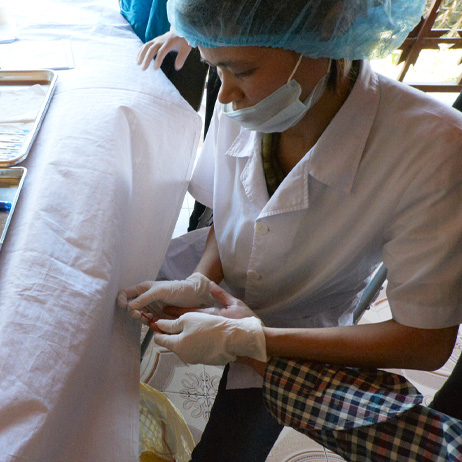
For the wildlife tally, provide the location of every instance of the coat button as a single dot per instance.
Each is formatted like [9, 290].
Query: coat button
[253, 275]
[261, 227]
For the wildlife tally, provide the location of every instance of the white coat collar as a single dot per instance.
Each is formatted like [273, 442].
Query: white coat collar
[246, 144]
[335, 158]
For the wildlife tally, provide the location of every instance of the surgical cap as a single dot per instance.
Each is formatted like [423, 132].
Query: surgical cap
[350, 29]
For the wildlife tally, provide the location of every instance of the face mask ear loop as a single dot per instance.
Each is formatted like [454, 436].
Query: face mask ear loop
[295, 68]
[329, 66]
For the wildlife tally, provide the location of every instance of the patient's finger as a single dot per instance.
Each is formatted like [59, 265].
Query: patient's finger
[142, 52]
[181, 57]
[177, 311]
[221, 296]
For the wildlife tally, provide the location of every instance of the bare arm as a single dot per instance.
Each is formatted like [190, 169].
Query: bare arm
[386, 345]
[383, 345]
[210, 263]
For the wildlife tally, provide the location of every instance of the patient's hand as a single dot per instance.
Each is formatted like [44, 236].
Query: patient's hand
[160, 47]
[230, 307]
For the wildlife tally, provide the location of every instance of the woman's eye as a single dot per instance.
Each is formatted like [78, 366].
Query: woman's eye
[240, 75]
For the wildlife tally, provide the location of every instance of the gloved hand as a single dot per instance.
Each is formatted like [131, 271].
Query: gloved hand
[160, 47]
[200, 338]
[152, 296]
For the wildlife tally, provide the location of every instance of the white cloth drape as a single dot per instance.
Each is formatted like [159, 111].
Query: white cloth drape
[106, 179]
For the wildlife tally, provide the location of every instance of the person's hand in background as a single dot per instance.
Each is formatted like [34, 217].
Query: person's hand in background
[160, 47]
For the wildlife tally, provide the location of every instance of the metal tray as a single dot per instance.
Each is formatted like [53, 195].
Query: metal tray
[11, 181]
[15, 143]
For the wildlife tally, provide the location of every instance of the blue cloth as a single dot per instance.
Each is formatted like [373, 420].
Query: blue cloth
[350, 29]
[148, 18]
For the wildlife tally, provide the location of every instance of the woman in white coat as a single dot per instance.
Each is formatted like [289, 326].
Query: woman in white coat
[317, 170]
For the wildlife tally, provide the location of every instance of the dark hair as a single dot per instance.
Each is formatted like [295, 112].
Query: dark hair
[337, 74]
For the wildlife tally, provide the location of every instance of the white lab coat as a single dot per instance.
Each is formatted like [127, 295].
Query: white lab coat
[383, 182]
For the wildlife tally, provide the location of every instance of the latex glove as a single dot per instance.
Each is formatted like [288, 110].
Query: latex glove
[150, 297]
[160, 47]
[200, 338]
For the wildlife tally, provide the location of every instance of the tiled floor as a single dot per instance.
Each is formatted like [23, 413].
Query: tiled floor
[192, 389]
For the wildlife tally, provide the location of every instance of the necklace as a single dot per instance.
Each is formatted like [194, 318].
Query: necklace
[273, 171]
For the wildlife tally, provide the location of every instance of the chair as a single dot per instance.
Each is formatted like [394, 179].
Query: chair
[370, 293]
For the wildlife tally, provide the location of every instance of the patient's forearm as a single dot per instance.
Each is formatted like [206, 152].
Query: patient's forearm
[210, 263]
[385, 345]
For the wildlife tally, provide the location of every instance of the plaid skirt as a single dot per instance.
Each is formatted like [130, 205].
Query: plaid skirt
[360, 414]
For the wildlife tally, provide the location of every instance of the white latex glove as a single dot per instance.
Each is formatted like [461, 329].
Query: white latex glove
[200, 338]
[149, 298]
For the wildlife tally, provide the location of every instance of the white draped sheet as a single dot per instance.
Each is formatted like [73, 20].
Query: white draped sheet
[106, 180]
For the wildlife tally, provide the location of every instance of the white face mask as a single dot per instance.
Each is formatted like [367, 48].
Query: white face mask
[281, 109]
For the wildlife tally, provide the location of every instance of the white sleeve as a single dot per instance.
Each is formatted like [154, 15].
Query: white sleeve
[424, 254]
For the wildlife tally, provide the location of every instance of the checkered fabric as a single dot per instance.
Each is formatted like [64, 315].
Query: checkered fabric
[362, 415]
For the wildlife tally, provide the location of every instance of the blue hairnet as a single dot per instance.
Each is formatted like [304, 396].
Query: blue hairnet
[350, 29]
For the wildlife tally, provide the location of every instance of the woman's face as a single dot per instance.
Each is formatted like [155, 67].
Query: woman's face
[249, 74]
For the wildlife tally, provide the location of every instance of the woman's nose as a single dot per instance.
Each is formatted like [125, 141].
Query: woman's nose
[229, 90]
